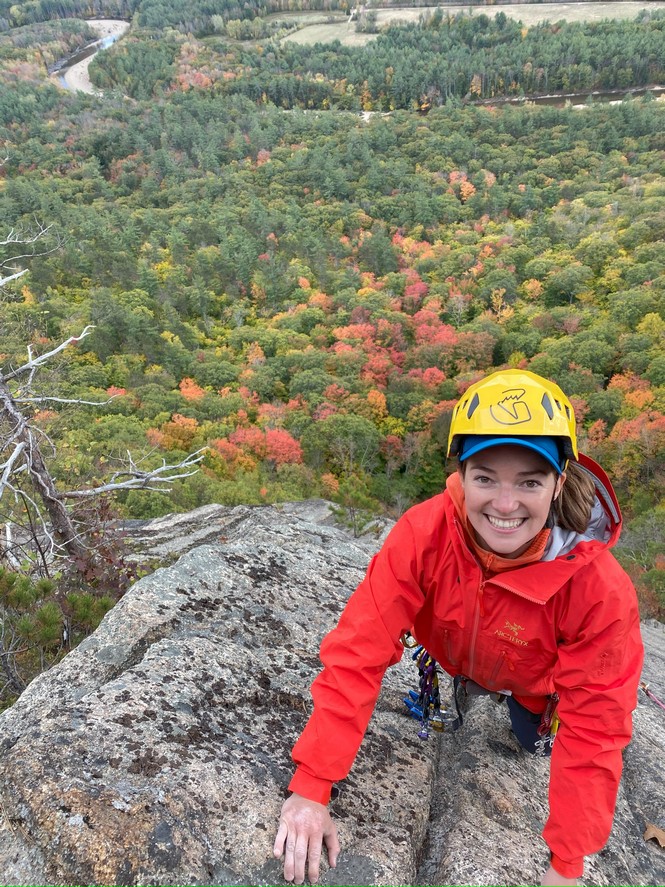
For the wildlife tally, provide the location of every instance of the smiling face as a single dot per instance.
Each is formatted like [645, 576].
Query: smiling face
[508, 492]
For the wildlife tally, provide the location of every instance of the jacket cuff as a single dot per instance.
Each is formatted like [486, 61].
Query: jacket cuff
[569, 868]
[311, 787]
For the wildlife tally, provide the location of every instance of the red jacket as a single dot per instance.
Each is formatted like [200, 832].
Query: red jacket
[568, 625]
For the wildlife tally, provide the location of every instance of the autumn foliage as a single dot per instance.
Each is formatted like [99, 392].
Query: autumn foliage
[306, 295]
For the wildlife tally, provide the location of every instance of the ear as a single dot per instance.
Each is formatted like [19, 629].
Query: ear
[560, 481]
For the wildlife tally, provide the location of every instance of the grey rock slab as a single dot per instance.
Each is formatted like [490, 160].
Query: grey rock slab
[175, 534]
[490, 799]
[157, 752]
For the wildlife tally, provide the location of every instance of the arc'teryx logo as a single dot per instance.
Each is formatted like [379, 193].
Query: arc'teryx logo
[514, 628]
[511, 409]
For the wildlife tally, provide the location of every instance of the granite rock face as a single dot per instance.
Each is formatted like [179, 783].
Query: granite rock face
[173, 535]
[490, 799]
[158, 751]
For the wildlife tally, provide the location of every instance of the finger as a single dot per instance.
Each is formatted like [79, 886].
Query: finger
[314, 859]
[289, 858]
[332, 844]
[280, 839]
[300, 858]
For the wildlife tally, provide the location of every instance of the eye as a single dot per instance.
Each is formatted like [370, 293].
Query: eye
[532, 484]
[482, 479]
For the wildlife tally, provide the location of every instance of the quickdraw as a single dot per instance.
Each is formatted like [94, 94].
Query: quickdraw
[425, 705]
[549, 722]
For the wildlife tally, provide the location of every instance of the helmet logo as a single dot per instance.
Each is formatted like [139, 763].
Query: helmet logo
[511, 409]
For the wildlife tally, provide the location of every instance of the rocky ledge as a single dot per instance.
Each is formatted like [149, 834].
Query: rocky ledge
[158, 751]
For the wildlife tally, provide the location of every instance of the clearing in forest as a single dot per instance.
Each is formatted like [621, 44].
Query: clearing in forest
[529, 13]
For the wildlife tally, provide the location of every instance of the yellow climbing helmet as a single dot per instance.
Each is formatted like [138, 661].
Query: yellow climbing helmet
[514, 404]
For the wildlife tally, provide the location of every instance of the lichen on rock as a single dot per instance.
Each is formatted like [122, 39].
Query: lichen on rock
[157, 752]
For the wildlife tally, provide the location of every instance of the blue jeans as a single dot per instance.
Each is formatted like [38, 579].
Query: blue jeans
[525, 727]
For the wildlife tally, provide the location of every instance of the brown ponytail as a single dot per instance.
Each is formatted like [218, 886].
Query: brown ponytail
[572, 507]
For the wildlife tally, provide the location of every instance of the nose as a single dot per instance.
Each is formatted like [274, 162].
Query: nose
[505, 500]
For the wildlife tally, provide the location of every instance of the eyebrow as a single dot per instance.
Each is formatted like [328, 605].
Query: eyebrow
[540, 471]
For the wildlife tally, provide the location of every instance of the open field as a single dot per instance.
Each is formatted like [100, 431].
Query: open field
[344, 31]
[529, 13]
[308, 18]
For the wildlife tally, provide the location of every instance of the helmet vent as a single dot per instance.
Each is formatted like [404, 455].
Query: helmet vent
[568, 413]
[473, 406]
[547, 406]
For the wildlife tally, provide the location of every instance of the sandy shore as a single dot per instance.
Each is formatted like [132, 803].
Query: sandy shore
[108, 27]
[77, 77]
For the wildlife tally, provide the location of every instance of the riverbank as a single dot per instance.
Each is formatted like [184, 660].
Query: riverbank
[578, 99]
[76, 77]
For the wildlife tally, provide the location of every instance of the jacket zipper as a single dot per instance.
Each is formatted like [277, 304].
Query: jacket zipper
[503, 658]
[479, 611]
[494, 580]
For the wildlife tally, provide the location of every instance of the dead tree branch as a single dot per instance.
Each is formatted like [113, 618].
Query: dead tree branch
[5, 280]
[138, 479]
[28, 451]
[35, 362]
[19, 239]
[24, 459]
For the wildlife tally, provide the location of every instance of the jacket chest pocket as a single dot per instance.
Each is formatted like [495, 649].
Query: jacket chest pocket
[448, 642]
[519, 664]
[503, 667]
[451, 648]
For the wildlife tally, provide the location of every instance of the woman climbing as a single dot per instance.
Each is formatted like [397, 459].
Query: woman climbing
[508, 582]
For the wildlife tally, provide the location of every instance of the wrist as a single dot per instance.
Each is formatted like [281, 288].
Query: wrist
[567, 868]
[311, 787]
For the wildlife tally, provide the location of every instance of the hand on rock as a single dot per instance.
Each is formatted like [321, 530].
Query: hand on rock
[304, 826]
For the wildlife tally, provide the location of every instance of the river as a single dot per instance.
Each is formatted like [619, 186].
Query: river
[75, 75]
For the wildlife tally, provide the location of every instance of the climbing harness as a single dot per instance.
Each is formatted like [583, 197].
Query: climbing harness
[424, 705]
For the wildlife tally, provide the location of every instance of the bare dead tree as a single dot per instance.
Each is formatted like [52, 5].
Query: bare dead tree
[23, 460]
[11, 648]
[25, 477]
[51, 530]
[23, 245]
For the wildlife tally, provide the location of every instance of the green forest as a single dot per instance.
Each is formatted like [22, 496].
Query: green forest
[303, 292]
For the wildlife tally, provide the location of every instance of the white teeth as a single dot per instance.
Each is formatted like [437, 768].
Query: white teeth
[505, 524]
